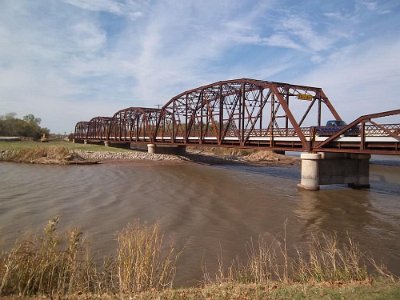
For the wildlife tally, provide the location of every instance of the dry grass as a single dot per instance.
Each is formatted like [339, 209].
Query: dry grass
[58, 265]
[61, 265]
[38, 154]
[45, 264]
[43, 155]
[141, 262]
[324, 261]
[327, 261]
[7, 146]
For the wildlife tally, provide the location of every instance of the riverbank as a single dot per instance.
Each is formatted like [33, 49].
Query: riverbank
[66, 153]
[61, 265]
[216, 155]
[355, 291]
[361, 291]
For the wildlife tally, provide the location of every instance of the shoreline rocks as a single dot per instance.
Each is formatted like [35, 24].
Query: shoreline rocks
[134, 155]
[64, 156]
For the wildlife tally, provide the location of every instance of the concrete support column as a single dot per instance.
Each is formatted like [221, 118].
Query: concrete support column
[362, 170]
[85, 142]
[107, 143]
[282, 152]
[166, 149]
[310, 171]
[151, 148]
[334, 168]
[181, 150]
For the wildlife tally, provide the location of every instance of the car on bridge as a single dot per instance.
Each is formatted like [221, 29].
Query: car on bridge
[334, 126]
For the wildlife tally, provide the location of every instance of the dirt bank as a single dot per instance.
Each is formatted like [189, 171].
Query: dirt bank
[69, 153]
[64, 156]
[215, 155]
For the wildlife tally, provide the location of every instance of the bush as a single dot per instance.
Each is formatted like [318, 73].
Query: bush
[28, 126]
[54, 264]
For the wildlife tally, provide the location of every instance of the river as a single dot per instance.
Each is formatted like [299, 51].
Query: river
[207, 210]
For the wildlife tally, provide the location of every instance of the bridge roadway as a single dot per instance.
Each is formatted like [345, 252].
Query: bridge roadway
[249, 113]
[246, 113]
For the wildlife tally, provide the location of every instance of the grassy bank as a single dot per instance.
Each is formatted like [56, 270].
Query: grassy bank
[54, 264]
[22, 145]
[362, 291]
[62, 152]
[54, 152]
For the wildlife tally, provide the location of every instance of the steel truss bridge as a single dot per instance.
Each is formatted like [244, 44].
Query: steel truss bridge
[247, 113]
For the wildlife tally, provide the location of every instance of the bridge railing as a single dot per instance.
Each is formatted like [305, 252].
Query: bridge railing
[81, 130]
[243, 113]
[369, 126]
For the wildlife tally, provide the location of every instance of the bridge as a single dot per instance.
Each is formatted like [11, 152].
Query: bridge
[249, 113]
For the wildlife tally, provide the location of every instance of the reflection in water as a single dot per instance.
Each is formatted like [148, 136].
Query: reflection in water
[207, 210]
[335, 209]
[369, 217]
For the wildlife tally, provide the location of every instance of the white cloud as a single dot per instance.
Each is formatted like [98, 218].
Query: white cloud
[282, 40]
[88, 37]
[304, 31]
[336, 15]
[131, 8]
[179, 52]
[66, 62]
[370, 5]
[361, 79]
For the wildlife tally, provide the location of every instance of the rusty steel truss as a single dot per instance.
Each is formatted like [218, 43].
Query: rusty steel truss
[244, 113]
[98, 128]
[373, 138]
[134, 124]
[81, 130]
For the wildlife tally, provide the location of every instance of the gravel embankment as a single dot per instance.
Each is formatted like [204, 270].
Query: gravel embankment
[134, 155]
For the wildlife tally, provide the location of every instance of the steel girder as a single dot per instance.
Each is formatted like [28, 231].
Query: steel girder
[98, 128]
[134, 124]
[232, 112]
[370, 127]
[246, 113]
[81, 130]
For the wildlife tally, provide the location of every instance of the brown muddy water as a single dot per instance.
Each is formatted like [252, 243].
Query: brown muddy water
[211, 211]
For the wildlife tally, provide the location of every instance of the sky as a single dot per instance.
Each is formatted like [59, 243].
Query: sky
[70, 60]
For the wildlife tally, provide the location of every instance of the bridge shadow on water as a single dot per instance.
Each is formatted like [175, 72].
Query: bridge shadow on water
[269, 168]
[384, 172]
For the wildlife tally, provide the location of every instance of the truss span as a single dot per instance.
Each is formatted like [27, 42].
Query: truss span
[98, 128]
[134, 124]
[241, 112]
[246, 113]
[81, 130]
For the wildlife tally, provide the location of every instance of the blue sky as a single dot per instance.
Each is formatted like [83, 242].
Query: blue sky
[70, 60]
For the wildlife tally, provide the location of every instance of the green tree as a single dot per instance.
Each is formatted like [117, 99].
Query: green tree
[30, 118]
[28, 126]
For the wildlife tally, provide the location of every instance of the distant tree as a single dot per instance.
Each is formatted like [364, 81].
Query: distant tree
[31, 119]
[9, 116]
[28, 126]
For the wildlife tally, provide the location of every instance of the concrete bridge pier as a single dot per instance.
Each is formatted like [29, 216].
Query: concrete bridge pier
[151, 148]
[334, 168]
[166, 149]
[124, 145]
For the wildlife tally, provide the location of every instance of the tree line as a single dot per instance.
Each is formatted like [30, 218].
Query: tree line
[28, 126]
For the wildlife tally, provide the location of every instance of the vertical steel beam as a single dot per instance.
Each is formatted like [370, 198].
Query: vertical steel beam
[221, 115]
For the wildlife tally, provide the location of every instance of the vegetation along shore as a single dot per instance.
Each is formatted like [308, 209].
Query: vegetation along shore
[62, 152]
[66, 153]
[61, 265]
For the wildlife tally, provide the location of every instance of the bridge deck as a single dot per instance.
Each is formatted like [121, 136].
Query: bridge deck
[248, 113]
